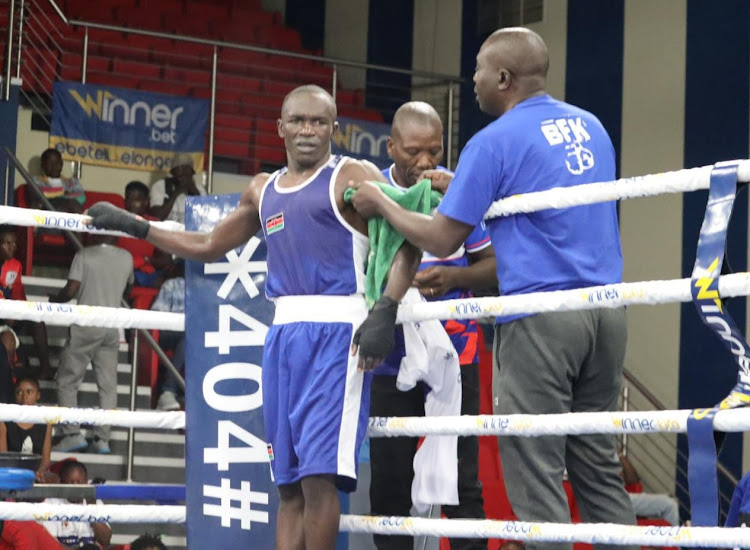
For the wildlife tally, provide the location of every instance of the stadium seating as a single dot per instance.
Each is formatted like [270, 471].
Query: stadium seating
[250, 84]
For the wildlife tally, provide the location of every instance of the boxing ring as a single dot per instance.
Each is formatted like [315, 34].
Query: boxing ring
[729, 417]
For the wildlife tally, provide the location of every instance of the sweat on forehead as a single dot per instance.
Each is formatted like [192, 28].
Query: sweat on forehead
[310, 90]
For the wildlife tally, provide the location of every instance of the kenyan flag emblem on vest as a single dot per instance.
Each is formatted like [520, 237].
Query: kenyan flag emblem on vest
[274, 223]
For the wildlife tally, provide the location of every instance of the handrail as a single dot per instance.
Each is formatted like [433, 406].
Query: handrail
[658, 405]
[259, 49]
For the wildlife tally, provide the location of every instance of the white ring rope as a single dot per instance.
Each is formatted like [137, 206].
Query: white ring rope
[94, 417]
[493, 529]
[606, 296]
[91, 316]
[679, 181]
[533, 425]
[592, 533]
[528, 425]
[100, 513]
[28, 217]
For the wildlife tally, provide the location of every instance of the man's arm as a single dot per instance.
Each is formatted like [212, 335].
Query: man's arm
[102, 533]
[629, 473]
[439, 235]
[480, 274]
[234, 230]
[66, 293]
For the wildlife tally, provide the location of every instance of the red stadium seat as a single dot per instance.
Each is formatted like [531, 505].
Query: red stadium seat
[112, 79]
[206, 10]
[235, 82]
[233, 121]
[135, 68]
[268, 147]
[195, 79]
[119, 46]
[138, 18]
[70, 67]
[161, 87]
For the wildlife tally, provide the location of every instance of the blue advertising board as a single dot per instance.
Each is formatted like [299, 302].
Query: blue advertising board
[231, 499]
[362, 139]
[125, 128]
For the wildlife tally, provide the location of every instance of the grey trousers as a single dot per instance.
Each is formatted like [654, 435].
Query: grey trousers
[557, 363]
[98, 346]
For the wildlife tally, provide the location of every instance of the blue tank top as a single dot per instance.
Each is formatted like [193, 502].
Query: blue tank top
[312, 250]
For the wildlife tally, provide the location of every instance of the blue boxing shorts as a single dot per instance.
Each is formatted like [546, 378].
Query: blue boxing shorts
[315, 403]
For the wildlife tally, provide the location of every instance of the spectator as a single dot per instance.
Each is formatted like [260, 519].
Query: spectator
[65, 194]
[76, 533]
[171, 298]
[99, 276]
[648, 505]
[168, 194]
[11, 287]
[148, 542]
[149, 263]
[25, 437]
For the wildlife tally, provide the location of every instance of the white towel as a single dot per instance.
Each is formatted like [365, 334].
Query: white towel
[431, 358]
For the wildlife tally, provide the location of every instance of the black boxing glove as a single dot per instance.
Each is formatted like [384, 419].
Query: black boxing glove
[105, 215]
[375, 336]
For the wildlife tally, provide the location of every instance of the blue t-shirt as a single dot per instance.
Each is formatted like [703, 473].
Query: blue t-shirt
[739, 509]
[539, 144]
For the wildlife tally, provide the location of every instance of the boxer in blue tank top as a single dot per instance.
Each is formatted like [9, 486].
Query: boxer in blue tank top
[316, 361]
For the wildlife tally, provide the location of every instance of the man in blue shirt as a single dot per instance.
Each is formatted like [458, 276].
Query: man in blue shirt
[552, 362]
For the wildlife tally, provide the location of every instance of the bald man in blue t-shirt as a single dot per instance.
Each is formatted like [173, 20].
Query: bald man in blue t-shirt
[549, 362]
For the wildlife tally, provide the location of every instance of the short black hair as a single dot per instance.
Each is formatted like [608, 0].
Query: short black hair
[5, 228]
[71, 465]
[147, 541]
[48, 152]
[28, 378]
[137, 186]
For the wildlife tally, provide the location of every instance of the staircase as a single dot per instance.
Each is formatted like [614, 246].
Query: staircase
[159, 454]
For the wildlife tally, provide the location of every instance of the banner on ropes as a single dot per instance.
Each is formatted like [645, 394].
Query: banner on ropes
[124, 128]
[362, 139]
[230, 495]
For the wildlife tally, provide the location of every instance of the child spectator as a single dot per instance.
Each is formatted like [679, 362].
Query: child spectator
[29, 438]
[11, 288]
[147, 542]
[76, 533]
[99, 276]
[171, 298]
[149, 263]
[65, 194]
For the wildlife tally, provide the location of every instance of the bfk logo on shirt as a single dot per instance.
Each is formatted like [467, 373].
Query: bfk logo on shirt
[274, 223]
[571, 132]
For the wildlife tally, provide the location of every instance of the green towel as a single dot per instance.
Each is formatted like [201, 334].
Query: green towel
[384, 240]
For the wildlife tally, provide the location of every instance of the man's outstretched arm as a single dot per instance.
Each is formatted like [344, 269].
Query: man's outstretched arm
[439, 235]
[234, 230]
